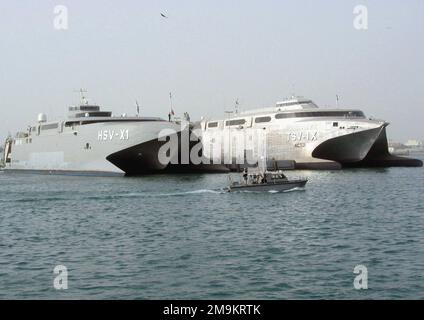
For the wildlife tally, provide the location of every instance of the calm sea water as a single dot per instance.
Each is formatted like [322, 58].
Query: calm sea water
[174, 237]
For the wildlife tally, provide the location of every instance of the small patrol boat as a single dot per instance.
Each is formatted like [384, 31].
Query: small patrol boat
[266, 181]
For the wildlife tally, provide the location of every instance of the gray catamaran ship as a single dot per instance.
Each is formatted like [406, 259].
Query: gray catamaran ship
[299, 134]
[90, 142]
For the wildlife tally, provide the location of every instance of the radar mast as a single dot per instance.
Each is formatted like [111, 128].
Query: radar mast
[84, 100]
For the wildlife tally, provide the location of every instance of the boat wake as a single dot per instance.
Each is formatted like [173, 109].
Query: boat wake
[295, 189]
[114, 196]
[141, 195]
[273, 191]
[269, 191]
[155, 195]
[200, 191]
[173, 194]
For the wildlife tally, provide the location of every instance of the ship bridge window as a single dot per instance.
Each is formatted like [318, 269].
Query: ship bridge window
[71, 124]
[289, 104]
[89, 108]
[285, 115]
[212, 124]
[237, 122]
[93, 114]
[50, 126]
[262, 119]
[85, 108]
[340, 114]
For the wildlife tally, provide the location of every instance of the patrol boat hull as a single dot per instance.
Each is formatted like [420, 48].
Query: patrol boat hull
[280, 186]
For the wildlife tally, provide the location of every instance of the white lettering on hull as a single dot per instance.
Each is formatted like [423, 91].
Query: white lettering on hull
[302, 136]
[109, 135]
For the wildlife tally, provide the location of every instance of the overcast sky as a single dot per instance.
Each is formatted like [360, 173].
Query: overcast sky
[208, 54]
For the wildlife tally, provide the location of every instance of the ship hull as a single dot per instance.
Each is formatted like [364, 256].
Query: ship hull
[379, 156]
[365, 149]
[309, 145]
[65, 172]
[104, 149]
[348, 148]
[139, 159]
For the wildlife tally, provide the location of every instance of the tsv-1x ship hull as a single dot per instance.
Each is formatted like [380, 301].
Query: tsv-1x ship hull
[297, 134]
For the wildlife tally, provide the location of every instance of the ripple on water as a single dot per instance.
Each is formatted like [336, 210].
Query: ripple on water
[184, 237]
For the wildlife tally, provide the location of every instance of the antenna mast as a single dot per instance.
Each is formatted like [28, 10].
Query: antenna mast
[138, 107]
[83, 98]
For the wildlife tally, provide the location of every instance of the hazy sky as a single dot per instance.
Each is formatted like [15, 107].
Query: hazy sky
[208, 54]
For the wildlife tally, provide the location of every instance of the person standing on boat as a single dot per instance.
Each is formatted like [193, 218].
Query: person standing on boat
[245, 175]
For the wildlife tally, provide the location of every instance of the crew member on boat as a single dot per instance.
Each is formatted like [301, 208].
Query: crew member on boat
[245, 175]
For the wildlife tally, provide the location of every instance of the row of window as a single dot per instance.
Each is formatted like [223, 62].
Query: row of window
[76, 123]
[89, 108]
[342, 114]
[94, 114]
[237, 122]
[288, 104]
[69, 124]
[85, 108]
[50, 126]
